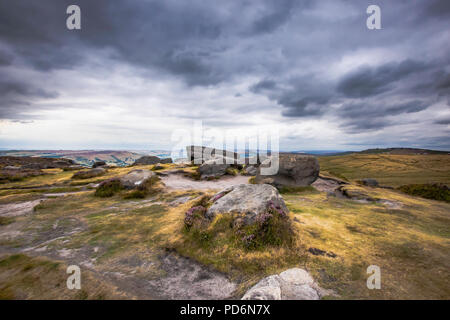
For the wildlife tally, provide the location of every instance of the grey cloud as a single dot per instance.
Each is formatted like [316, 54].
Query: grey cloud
[187, 39]
[370, 110]
[5, 59]
[438, 9]
[444, 121]
[263, 85]
[294, 48]
[367, 81]
[17, 89]
[304, 107]
[365, 124]
[276, 15]
[16, 98]
[365, 116]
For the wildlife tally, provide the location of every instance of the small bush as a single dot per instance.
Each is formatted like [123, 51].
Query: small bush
[232, 171]
[434, 191]
[203, 201]
[108, 188]
[272, 228]
[6, 220]
[252, 180]
[135, 194]
[286, 189]
[194, 216]
[194, 175]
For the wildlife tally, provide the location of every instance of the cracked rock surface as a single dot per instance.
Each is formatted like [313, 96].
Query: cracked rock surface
[292, 284]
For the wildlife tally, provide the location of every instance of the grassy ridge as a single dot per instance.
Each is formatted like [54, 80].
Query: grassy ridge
[389, 170]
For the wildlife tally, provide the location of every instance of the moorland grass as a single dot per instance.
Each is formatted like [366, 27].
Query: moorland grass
[409, 243]
[389, 170]
[429, 191]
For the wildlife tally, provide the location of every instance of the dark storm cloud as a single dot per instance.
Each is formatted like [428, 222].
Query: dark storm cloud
[365, 124]
[366, 81]
[263, 85]
[444, 121]
[276, 15]
[185, 39]
[366, 94]
[16, 98]
[5, 59]
[364, 110]
[22, 89]
[361, 117]
[303, 107]
[310, 59]
[438, 9]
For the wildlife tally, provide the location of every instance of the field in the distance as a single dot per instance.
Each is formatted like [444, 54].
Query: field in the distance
[389, 169]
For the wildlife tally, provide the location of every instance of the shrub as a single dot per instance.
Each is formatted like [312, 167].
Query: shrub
[194, 216]
[108, 188]
[203, 201]
[232, 171]
[194, 175]
[271, 228]
[6, 220]
[135, 194]
[287, 189]
[436, 191]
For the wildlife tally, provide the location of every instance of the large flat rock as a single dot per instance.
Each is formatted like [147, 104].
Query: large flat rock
[292, 284]
[294, 170]
[249, 199]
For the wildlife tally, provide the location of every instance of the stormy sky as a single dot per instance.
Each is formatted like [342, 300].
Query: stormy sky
[139, 70]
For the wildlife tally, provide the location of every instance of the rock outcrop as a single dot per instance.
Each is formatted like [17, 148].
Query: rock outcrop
[294, 170]
[213, 168]
[35, 163]
[99, 164]
[135, 177]
[251, 200]
[200, 154]
[146, 160]
[369, 182]
[292, 284]
[250, 170]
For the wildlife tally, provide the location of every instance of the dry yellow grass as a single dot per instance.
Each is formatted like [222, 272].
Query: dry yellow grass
[410, 243]
[390, 170]
[24, 277]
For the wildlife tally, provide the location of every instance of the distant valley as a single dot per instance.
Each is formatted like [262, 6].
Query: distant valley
[88, 157]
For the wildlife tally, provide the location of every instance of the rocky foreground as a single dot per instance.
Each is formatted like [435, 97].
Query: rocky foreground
[216, 230]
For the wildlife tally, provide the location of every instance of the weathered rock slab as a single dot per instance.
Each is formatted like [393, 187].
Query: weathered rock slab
[292, 284]
[294, 170]
[213, 169]
[249, 199]
[146, 160]
[135, 177]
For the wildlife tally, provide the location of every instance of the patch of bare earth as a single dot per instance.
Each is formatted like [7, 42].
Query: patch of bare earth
[18, 209]
[187, 279]
[180, 182]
